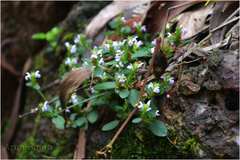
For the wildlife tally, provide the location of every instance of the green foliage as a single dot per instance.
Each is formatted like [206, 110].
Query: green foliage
[158, 128]
[51, 36]
[58, 122]
[191, 145]
[124, 93]
[137, 120]
[115, 67]
[105, 86]
[92, 116]
[175, 38]
[133, 97]
[110, 125]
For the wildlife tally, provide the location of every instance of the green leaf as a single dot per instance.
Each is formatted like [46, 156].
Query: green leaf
[105, 86]
[58, 122]
[73, 116]
[144, 52]
[39, 36]
[92, 116]
[80, 121]
[125, 30]
[137, 120]
[124, 93]
[133, 97]
[158, 128]
[110, 125]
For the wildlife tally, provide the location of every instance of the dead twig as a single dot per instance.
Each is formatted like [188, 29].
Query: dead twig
[224, 24]
[79, 152]
[13, 118]
[50, 85]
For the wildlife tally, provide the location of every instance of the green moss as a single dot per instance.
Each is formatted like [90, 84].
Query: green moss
[191, 146]
[136, 142]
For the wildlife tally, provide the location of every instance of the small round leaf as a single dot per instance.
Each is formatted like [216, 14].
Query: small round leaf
[137, 120]
[124, 93]
[110, 125]
[92, 116]
[158, 128]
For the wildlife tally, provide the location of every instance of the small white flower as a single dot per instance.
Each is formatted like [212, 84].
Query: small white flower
[123, 19]
[140, 105]
[77, 39]
[73, 49]
[149, 109]
[157, 113]
[148, 103]
[119, 52]
[101, 61]
[133, 40]
[92, 90]
[74, 61]
[94, 56]
[150, 85]
[171, 81]
[169, 34]
[68, 61]
[67, 44]
[143, 28]
[152, 50]
[27, 76]
[45, 106]
[130, 66]
[122, 78]
[115, 45]
[107, 46]
[139, 43]
[67, 110]
[121, 64]
[156, 90]
[168, 96]
[37, 74]
[154, 42]
[117, 57]
[74, 99]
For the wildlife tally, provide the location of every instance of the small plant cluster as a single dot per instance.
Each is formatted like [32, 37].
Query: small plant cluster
[116, 72]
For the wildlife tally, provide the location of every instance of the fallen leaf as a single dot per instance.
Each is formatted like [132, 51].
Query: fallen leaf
[108, 13]
[72, 81]
[192, 22]
[222, 10]
[162, 11]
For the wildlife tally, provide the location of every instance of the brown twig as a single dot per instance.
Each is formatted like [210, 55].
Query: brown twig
[50, 85]
[79, 152]
[13, 118]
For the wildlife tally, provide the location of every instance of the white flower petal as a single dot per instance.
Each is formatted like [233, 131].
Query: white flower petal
[27, 76]
[37, 74]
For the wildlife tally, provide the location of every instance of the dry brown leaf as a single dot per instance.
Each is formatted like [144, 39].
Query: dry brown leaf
[222, 10]
[108, 13]
[72, 81]
[193, 21]
[162, 11]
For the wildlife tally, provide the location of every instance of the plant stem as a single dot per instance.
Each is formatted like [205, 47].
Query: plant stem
[122, 126]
